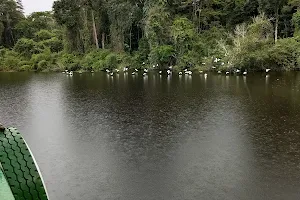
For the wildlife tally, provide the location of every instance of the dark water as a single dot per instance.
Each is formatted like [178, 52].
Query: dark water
[135, 138]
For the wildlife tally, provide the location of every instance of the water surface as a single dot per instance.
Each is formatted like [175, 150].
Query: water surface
[157, 138]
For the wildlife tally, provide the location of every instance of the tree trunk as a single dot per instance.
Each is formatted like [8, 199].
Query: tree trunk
[130, 39]
[276, 24]
[103, 40]
[95, 31]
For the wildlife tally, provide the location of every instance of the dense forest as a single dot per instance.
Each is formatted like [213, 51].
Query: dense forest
[87, 35]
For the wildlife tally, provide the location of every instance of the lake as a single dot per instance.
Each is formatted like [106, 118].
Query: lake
[157, 137]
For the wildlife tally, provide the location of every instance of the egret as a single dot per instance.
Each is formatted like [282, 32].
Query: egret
[107, 70]
[133, 73]
[125, 69]
[201, 72]
[160, 72]
[169, 72]
[227, 73]
[146, 70]
[180, 73]
[268, 70]
[111, 73]
[245, 73]
[238, 71]
[144, 74]
[117, 70]
[71, 73]
[219, 72]
[136, 70]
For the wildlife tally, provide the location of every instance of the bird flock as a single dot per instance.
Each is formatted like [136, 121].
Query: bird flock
[169, 71]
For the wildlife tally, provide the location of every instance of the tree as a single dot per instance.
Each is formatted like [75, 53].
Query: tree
[272, 8]
[10, 15]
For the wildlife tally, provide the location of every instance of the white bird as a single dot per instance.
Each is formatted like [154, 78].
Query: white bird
[222, 63]
[144, 63]
[169, 71]
[146, 70]
[125, 69]
[156, 65]
[66, 71]
[111, 73]
[180, 73]
[117, 70]
[238, 71]
[71, 73]
[133, 73]
[201, 72]
[171, 67]
[107, 71]
[219, 72]
[268, 70]
[92, 71]
[144, 74]
[204, 63]
[160, 72]
[245, 73]
[213, 67]
[190, 72]
[63, 72]
[205, 75]
[227, 73]
[153, 66]
[136, 70]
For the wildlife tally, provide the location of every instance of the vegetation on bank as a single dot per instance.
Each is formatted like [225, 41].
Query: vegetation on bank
[109, 34]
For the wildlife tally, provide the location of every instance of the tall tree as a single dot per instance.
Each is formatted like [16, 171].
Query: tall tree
[10, 15]
[273, 8]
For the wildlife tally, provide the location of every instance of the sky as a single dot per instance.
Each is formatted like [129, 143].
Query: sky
[37, 5]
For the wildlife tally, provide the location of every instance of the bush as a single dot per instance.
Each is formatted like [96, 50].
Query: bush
[43, 65]
[69, 61]
[43, 35]
[162, 54]
[284, 53]
[25, 68]
[54, 44]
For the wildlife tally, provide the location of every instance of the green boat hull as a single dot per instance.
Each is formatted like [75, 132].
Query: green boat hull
[20, 176]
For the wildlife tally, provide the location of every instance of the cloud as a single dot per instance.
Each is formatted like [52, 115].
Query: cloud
[37, 5]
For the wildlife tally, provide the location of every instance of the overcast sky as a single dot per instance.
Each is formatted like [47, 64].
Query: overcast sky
[37, 5]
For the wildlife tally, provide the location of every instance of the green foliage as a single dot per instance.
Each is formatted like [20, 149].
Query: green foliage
[285, 54]
[162, 54]
[69, 61]
[27, 47]
[54, 44]
[296, 22]
[43, 35]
